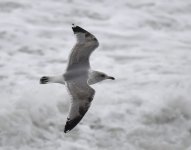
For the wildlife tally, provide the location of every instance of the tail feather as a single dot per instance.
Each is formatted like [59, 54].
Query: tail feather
[44, 80]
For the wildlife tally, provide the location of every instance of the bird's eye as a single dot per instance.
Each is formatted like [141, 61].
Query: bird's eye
[102, 75]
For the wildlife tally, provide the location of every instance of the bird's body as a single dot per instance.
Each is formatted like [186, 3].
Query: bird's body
[79, 76]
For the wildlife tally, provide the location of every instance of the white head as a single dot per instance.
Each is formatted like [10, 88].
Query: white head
[96, 76]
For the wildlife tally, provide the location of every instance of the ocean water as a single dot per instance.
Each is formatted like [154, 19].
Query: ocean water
[145, 45]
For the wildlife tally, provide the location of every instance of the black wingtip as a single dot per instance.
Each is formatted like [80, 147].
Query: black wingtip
[66, 130]
[77, 29]
[70, 124]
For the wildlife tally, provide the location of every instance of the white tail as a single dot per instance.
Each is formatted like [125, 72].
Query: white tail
[52, 79]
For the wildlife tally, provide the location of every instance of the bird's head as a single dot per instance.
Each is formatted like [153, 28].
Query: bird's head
[103, 76]
[97, 76]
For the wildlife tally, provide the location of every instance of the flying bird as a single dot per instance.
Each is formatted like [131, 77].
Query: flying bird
[79, 76]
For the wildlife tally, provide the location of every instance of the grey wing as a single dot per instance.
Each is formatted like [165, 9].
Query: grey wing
[86, 44]
[82, 95]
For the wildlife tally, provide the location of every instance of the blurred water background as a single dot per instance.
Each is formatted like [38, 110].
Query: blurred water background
[145, 45]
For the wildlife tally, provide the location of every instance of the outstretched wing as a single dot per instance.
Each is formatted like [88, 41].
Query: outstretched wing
[85, 45]
[82, 95]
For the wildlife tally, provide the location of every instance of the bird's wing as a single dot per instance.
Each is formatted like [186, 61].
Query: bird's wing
[82, 95]
[85, 45]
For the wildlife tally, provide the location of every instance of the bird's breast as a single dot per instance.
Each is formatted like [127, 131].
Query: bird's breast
[75, 74]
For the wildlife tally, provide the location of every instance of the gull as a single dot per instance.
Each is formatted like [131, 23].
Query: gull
[79, 76]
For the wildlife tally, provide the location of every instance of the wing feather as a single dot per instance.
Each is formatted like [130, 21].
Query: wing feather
[82, 95]
[85, 45]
